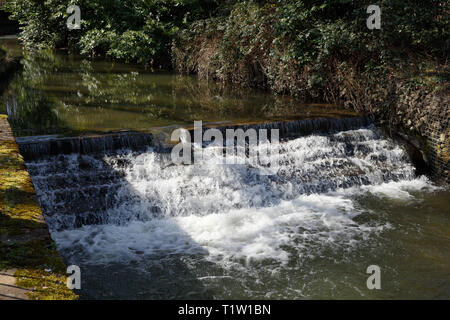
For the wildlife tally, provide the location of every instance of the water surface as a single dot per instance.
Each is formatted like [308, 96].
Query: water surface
[140, 229]
[57, 93]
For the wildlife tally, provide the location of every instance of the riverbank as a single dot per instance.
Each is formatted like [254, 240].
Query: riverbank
[407, 92]
[316, 52]
[412, 105]
[31, 266]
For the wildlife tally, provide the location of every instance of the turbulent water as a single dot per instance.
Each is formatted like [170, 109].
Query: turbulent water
[140, 227]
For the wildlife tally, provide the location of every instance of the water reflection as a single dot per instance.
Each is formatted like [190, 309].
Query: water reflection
[30, 111]
[56, 93]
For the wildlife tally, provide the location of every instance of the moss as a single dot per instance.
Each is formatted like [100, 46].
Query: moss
[25, 243]
[17, 196]
[40, 268]
[45, 285]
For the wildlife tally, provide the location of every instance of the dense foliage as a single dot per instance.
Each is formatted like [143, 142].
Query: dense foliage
[288, 42]
[319, 50]
[307, 31]
[135, 31]
[316, 49]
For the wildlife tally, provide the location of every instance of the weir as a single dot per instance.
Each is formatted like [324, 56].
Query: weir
[121, 204]
[91, 180]
[35, 147]
[336, 195]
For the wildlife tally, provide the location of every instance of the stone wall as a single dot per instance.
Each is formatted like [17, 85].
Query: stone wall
[437, 134]
[422, 115]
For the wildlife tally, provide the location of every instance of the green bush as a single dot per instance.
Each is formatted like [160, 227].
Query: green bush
[299, 46]
[132, 30]
[275, 43]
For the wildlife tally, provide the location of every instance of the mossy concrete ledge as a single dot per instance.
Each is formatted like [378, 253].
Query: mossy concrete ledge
[30, 266]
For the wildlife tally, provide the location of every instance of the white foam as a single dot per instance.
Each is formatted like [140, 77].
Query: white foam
[403, 190]
[231, 215]
[306, 225]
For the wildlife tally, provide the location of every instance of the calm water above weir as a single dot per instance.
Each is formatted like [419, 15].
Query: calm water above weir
[63, 94]
[141, 228]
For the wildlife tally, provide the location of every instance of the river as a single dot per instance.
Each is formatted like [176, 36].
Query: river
[340, 201]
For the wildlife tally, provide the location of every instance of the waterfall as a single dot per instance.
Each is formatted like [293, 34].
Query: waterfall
[35, 147]
[121, 203]
[120, 178]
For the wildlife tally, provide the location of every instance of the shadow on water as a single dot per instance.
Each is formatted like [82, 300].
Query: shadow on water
[79, 192]
[88, 202]
[129, 245]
